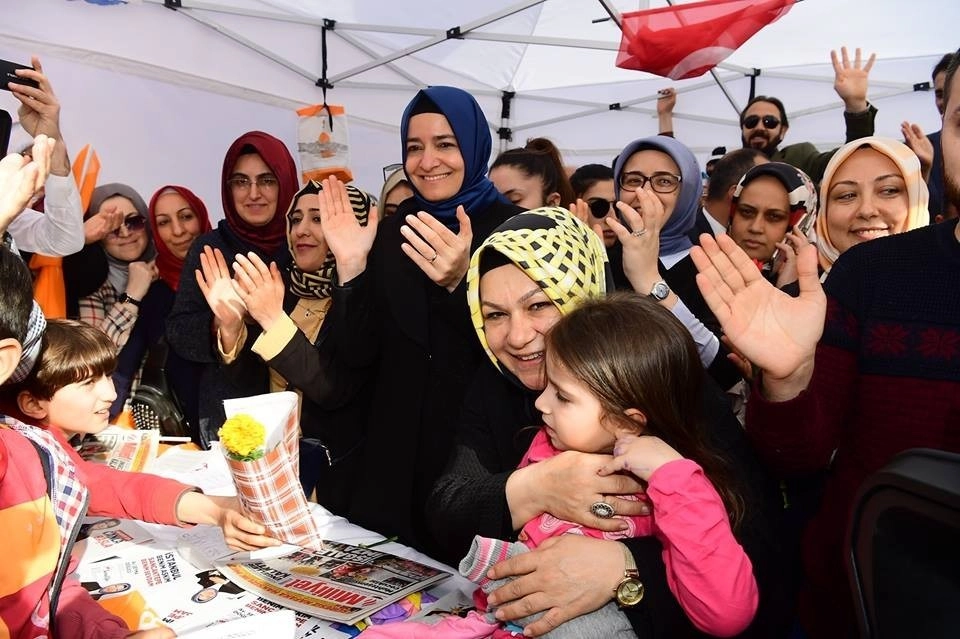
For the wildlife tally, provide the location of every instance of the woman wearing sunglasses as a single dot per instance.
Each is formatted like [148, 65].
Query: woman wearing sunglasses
[594, 184]
[115, 307]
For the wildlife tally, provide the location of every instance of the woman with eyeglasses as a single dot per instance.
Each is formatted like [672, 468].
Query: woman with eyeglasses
[658, 192]
[259, 180]
[115, 307]
[409, 320]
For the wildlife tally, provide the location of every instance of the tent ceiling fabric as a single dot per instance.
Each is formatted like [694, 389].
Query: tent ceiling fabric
[266, 54]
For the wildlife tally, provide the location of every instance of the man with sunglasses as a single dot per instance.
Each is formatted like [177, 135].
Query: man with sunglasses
[764, 124]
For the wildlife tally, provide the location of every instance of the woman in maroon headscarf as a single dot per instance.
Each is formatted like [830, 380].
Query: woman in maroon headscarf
[259, 182]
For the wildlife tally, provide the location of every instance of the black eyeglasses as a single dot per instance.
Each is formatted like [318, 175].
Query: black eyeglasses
[133, 223]
[599, 207]
[264, 182]
[390, 169]
[660, 182]
[769, 121]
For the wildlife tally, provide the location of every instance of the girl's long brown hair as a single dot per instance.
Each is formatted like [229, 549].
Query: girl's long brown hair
[632, 353]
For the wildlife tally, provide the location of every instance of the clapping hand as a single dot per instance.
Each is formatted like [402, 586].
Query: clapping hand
[260, 288]
[215, 283]
[439, 252]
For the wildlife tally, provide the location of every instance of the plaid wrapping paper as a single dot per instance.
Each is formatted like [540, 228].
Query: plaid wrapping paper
[269, 488]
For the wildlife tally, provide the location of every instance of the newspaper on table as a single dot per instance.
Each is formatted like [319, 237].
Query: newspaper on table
[341, 582]
[121, 448]
[110, 537]
[155, 589]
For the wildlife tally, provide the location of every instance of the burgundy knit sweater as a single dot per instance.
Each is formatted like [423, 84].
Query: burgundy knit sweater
[886, 378]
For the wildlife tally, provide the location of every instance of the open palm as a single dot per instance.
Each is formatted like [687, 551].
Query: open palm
[215, 283]
[776, 332]
[349, 242]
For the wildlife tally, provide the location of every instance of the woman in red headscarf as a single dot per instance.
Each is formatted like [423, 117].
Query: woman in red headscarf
[177, 218]
[259, 181]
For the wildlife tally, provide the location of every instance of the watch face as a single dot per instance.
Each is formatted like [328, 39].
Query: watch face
[660, 291]
[629, 592]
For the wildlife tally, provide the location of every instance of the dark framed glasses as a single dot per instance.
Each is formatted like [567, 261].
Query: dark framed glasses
[390, 169]
[769, 121]
[599, 207]
[133, 224]
[660, 182]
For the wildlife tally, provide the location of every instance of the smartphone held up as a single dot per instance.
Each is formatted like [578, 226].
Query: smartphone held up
[8, 74]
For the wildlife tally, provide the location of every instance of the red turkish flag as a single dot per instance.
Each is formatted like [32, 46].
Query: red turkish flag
[688, 40]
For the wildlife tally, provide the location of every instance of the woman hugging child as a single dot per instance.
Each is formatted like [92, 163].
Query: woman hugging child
[623, 376]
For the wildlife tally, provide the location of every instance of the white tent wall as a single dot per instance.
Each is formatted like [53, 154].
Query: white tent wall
[161, 94]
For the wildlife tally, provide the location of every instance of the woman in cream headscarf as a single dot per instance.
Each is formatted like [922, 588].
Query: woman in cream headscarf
[871, 188]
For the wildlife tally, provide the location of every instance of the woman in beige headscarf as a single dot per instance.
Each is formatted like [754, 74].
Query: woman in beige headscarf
[871, 188]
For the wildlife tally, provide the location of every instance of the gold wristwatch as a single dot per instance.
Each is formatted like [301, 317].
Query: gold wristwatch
[629, 592]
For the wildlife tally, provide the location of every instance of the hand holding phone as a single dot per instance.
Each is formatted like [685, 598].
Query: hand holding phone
[8, 74]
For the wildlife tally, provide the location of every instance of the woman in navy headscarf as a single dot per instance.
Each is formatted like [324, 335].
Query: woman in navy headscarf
[408, 316]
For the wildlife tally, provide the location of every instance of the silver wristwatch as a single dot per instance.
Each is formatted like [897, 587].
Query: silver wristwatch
[660, 291]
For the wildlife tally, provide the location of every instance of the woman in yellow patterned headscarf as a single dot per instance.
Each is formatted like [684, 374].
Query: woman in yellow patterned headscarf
[871, 188]
[556, 252]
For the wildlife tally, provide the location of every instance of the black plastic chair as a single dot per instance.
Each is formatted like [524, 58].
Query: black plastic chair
[904, 548]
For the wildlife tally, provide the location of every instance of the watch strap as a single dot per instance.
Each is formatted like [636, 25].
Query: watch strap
[126, 299]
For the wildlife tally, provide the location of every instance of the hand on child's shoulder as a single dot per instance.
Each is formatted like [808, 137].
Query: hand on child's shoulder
[640, 455]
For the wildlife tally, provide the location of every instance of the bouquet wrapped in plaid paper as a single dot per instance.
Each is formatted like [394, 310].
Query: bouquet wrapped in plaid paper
[261, 442]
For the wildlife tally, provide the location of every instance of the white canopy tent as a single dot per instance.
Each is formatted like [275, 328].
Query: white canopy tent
[161, 92]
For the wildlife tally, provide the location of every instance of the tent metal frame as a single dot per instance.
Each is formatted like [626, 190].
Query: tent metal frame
[468, 31]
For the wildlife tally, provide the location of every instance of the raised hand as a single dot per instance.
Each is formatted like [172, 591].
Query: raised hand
[439, 252]
[789, 250]
[641, 241]
[39, 111]
[349, 242]
[102, 224]
[920, 144]
[260, 287]
[776, 332]
[581, 211]
[21, 179]
[213, 278]
[666, 100]
[140, 276]
[852, 80]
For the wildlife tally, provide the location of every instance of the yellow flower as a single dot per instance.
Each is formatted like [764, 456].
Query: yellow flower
[243, 438]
